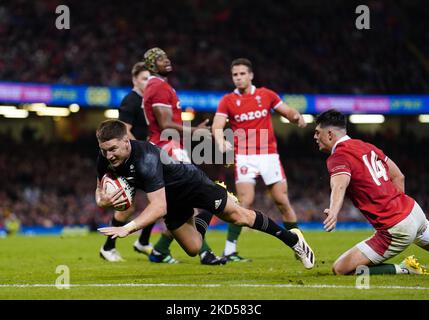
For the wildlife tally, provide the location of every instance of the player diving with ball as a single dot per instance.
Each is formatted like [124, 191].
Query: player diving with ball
[173, 190]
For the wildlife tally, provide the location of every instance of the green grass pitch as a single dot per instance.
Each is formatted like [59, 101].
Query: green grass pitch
[28, 265]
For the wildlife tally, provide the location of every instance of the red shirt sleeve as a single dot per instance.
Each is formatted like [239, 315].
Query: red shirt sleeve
[222, 108]
[380, 154]
[338, 164]
[274, 99]
[158, 94]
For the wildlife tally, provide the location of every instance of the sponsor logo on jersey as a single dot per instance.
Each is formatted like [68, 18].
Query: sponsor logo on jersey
[251, 115]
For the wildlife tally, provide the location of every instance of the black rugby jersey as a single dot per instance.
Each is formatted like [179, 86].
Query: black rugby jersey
[145, 170]
[131, 112]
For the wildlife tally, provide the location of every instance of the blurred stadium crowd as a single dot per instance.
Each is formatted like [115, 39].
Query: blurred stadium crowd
[48, 184]
[296, 46]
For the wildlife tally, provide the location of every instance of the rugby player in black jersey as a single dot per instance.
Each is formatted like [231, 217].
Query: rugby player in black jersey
[174, 189]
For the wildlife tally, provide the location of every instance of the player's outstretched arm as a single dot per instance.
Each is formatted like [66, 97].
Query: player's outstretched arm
[396, 175]
[219, 123]
[339, 184]
[164, 118]
[156, 209]
[291, 114]
[129, 133]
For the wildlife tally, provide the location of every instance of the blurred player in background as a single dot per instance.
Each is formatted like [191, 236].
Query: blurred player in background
[249, 111]
[376, 187]
[163, 112]
[132, 114]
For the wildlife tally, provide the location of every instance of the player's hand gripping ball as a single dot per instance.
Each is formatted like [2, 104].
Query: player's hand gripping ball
[110, 183]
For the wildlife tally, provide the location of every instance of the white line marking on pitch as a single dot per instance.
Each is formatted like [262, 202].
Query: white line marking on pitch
[314, 286]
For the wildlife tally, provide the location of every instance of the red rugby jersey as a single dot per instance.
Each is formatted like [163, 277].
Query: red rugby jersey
[159, 92]
[250, 119]
[371, 189]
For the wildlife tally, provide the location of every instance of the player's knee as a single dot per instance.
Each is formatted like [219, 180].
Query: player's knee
[336, 270]
[242, 217]
[193, 248]
[192, 252]
[339, 269]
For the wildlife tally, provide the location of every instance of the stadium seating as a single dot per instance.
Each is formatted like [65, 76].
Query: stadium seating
[296, 46]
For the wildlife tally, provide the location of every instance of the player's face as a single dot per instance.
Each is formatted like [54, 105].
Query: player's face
[323, 137]
[163, 65]
[242, 77]
[116, 151]
[141, 80]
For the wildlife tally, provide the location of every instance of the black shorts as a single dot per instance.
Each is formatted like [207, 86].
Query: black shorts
[208, 195]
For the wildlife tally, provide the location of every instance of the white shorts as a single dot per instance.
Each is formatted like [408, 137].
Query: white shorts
[268, 166]
[385, 244]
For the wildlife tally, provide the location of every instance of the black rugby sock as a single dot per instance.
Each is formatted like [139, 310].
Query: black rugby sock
[265, 224]
[202, 221]
[145, 235]
[290, 225]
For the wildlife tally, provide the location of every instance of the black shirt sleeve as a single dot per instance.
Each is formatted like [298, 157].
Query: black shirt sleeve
[151, 170]
[129, 107]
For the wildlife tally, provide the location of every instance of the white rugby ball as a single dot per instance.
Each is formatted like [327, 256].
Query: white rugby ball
[110, 183]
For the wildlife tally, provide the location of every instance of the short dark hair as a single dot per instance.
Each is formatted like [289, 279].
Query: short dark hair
[333, 118]
[137, 68]
[111, 129]
[242, 61]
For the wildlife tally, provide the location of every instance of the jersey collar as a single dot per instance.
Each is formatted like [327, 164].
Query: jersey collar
[342, 139]
[252, 90]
